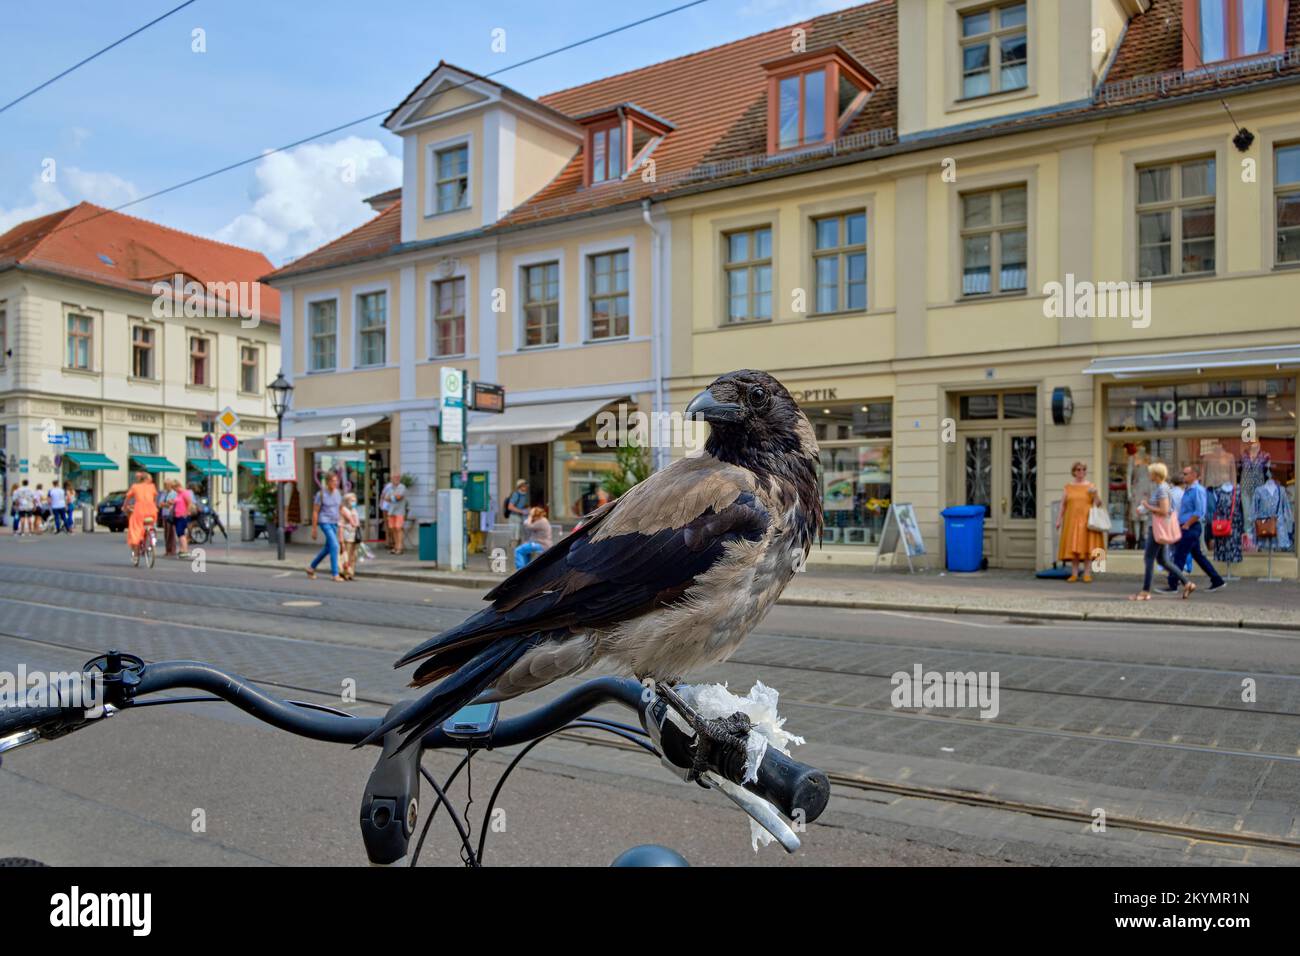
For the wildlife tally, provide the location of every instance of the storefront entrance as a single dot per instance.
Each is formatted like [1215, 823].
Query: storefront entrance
[997, 467]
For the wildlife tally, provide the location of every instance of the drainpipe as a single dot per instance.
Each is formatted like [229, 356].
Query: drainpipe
[657, 307]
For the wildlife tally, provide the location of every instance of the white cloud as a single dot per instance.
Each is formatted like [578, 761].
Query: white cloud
[310, 195]
[71, 185]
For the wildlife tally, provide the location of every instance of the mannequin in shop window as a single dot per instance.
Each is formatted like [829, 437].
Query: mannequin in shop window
[1255, 466]
[1227, 506]
[1273, 516]
[1139, 489]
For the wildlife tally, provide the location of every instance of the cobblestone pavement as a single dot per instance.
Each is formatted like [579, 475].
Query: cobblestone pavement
[1145, 723]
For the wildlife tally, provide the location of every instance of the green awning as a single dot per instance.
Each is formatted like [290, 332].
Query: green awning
[253, 467]
[91, 461]
[153, 463]
[209, 466]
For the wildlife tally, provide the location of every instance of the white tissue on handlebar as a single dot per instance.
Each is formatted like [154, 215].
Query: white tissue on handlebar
[767, 727]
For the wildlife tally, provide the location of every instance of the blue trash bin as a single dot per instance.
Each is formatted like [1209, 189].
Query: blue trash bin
[964, 536]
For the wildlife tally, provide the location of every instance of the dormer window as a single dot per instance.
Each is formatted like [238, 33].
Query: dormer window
[813, 96]
[1218, 30]
[618, 141]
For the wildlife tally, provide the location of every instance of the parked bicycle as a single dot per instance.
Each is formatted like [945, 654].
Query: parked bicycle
[204, 525]
[712, 753]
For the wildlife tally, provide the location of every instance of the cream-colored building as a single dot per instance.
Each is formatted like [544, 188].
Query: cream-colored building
[100, 354]
[978, 239]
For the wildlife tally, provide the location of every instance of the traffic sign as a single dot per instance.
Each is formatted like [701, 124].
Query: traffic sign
[228, 419]
[228, 442]
[207, 441]
[60, 439]
[281, 464]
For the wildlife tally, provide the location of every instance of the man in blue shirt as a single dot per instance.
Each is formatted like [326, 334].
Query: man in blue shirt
[1191, 518]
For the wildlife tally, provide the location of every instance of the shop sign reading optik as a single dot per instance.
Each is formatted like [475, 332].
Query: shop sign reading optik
[452, 427]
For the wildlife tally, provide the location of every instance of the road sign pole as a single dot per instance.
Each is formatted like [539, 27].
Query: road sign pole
[232, 488]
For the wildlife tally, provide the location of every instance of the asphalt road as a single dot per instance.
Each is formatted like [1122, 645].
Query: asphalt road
[1145, 727]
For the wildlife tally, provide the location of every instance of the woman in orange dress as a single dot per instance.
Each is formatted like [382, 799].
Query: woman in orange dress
[143, 499]
[1078, 542]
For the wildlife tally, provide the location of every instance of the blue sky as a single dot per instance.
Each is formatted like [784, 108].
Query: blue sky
[153, 112]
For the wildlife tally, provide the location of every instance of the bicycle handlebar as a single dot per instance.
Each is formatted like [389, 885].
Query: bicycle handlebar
[793, 787]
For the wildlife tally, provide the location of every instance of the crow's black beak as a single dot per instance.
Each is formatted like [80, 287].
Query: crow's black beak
[705, 407]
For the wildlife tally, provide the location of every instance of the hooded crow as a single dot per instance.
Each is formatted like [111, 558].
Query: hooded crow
[669, 577]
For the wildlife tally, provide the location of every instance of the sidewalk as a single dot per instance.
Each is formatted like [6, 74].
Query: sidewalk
[1245, 603]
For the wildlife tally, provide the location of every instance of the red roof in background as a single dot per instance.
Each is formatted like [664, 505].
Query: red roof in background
[77, 242]
[716, 100]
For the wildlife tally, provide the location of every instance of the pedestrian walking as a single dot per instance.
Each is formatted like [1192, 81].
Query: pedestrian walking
[325, 516]
[1078, 542]
[13, 507]
[1191, 512]
[386, 502]
[58, 507]
[537, 537]
[399, 507]
[70, 502]
[26, 506]
[349, 533]
[167, 515]
[42, 510]
[1163, 532]
[517, 511]
[183, 509]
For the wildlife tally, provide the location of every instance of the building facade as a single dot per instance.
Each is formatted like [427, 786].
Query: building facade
[120, 342]
[979, 240]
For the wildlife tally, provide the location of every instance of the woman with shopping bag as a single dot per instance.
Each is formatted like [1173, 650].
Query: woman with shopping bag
[1164, 532]
[1081, 509]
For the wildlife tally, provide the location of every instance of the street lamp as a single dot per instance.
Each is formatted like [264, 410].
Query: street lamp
[281, 392]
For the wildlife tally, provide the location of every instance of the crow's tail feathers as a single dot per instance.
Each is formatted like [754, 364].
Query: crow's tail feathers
[456, 690]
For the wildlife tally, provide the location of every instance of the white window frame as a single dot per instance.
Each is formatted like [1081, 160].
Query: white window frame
[307, 302]
[518, 264]
[258, 373]
[209, 357]
[432, 279]
[585, 252]
[357, 293]
[431, 151]
[157, 330]
[95, 318]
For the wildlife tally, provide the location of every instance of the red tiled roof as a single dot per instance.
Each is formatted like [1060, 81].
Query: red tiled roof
[372, 238]
[76, 243]
[716, 100]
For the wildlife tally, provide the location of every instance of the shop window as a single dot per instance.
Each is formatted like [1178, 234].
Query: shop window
[749, 274]
[541, 304]
[994, 51]
[139, 444]
[1287, 203]
[607, 295]
[143, 339]
[323, 321]
[451, 178]
[856, 469]
[994, 241]
[449, 317]
[1175, 213]
[80, 332]
[80, 439]
[372, 329]
[1199, 423]
[840, 263]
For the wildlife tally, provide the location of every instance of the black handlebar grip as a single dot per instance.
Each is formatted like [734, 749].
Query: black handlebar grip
[15, 720]
[799, 791]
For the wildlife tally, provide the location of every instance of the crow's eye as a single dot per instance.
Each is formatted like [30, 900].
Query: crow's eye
[758, 395]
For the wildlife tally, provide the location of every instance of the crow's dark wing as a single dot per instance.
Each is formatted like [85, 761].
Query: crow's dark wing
[588, 581]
